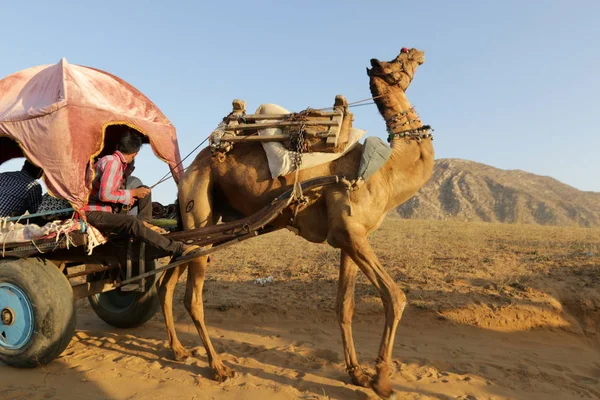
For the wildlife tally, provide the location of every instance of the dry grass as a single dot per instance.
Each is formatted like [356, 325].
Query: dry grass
[497, 276]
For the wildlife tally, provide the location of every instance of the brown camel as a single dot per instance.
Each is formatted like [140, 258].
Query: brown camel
[243, 182]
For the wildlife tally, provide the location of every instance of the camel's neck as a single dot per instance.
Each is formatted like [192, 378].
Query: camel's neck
[411, 162]
[394, 107]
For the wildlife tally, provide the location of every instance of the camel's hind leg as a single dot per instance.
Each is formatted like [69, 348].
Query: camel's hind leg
[166, 288]
[345, 311]
[354, 242]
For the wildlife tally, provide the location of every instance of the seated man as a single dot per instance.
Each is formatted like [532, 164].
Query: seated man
[107, 197]
[19, 191]
[142, 207]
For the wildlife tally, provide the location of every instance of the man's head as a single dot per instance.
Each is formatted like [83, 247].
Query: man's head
[32, 170]
[130, 144]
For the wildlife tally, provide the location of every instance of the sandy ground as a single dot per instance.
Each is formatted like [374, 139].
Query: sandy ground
[508, 313]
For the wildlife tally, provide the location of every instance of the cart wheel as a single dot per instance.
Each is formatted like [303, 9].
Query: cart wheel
[37, 316]
[127, 309]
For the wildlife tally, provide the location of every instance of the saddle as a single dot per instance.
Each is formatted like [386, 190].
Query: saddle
[306, 131]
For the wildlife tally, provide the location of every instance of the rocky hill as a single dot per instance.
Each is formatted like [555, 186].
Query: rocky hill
[470, 191]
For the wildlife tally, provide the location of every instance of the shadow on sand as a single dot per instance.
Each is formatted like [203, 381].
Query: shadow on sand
[430, 351]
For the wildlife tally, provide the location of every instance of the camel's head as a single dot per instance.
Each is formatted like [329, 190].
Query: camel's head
[400, 71]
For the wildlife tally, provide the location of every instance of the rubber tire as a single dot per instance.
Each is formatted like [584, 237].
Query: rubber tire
[51, 297]
[142, 305]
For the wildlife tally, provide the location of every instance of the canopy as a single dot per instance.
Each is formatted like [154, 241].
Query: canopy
[58, 116]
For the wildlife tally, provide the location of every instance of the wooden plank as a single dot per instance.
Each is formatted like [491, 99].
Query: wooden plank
[255, 117]
[267, 125]
[335, 132]
[133, 287]
[89, 288]
[254, 138]
[268, 138]
[89, 269]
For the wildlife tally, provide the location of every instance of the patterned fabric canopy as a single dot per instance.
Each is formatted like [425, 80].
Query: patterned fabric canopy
[58, 116]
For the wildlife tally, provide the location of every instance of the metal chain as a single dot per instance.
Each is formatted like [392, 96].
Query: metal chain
[298, 145]
[391, 127]
[417, 134]
[399, 115]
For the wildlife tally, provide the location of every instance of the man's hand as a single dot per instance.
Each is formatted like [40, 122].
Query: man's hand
[140, 192]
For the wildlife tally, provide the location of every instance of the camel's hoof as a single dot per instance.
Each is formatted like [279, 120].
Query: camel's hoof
[222, 372]
[181, 354]
[383, 389]
[360, 378]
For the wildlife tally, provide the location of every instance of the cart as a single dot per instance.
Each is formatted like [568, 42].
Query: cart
[41, 278]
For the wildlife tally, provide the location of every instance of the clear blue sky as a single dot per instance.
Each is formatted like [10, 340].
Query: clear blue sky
[511, 84]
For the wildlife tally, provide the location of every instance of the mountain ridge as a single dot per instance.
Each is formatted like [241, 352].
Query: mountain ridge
[471, 191]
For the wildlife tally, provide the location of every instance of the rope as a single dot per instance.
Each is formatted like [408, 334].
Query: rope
[36, 246]
[357, 103]
[3, 226]
[168, 175]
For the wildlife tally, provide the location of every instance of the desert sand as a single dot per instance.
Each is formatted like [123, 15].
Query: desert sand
[495, 312]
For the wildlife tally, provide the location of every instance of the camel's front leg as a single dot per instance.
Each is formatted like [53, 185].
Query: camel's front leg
[195, 306]
[394, 301]
[166, 288]
[345, 311]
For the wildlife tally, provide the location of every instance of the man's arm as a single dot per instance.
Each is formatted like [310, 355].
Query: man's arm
[110, 192]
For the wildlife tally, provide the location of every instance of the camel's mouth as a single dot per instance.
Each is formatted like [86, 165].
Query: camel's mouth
[417, 56]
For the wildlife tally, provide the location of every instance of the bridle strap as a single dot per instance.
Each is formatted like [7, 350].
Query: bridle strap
[418, 134]
[400, 114]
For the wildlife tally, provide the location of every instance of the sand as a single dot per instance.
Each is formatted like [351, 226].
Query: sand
[494, 322]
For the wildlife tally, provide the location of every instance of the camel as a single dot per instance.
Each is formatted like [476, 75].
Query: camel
[242, 181]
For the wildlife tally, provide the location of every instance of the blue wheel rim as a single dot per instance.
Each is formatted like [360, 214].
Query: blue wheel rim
[16, 317]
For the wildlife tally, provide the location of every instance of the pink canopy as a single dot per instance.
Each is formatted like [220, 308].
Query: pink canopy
[59, 116]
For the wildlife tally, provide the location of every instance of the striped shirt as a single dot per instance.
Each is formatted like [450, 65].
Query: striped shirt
[19, 192]
[107, 186]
